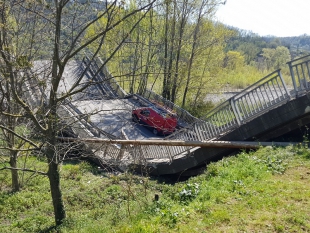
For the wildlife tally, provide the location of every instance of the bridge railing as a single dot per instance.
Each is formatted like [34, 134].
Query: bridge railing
[147, 152]
[99, 77]
[181, 113]
[263, 95]
[253, 101]
[113, 83]
[300, 74]
[104, 76]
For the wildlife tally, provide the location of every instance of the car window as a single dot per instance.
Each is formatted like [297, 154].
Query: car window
[145, 112]
[163, 114]
[172, 115]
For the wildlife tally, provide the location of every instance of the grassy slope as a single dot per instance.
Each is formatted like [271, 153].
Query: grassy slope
[263, 191]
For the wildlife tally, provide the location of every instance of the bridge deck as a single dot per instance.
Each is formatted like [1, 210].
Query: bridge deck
[261, 111]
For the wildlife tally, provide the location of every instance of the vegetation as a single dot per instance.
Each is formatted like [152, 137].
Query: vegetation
[178, 51]
[175, 50]
[251, 44]
[262, 191]
[173, 47]
[33, 93]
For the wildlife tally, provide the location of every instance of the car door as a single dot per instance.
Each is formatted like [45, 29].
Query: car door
[171, 122]
[159, 121]
[152, 118]
[144, 116]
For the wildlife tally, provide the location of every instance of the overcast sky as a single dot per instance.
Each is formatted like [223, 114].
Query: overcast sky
[268, 17]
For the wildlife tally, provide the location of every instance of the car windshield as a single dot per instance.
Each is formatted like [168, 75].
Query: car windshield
[161, 111]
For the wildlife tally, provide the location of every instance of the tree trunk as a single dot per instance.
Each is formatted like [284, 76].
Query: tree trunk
[53, 158]
[14, 173]
[184, 17]
[135, 65]
[54, 179]
[191, 59]
[165, 81]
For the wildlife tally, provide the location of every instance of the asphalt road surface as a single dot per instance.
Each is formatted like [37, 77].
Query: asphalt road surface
[114, 117]
[110, 115]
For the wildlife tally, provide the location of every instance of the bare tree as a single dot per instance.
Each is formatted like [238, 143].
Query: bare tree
[17, 46]
[64, 25]
[205, 8]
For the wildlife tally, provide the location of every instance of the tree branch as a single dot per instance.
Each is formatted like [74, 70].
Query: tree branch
[19, 136]
[23, 169]
[98, 35]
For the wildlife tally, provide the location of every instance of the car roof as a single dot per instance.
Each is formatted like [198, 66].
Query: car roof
[161, 110]
[157, 109]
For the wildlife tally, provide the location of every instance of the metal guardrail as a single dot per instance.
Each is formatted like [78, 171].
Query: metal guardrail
[300, 74]
[264, 95]
[181, 113]
[103, 81]
[109, 78]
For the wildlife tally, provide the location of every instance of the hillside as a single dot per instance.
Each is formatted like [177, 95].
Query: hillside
[252, 45]
[263, 191]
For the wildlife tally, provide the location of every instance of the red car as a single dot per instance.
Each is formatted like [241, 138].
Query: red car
[161, 120]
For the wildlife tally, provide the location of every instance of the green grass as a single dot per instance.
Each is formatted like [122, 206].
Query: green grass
[263, 191]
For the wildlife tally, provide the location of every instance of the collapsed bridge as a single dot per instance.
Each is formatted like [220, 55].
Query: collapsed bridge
[265, 110]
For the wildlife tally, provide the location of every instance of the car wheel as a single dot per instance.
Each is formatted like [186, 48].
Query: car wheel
[155, 131]
[135, 118]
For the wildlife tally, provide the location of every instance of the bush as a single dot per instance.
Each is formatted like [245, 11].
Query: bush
[200, 109]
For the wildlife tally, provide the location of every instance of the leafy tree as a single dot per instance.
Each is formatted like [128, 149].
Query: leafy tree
[169, 48]
[249, 50]
[207, 65]
[233, 60]
[276, 58]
